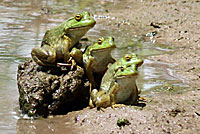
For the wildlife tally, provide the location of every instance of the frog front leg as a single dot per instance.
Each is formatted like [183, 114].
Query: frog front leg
[66, 45]
[77, 55]
[44, 56]
[72, 56]
[89, 71]
[64, 53]
[113, 91]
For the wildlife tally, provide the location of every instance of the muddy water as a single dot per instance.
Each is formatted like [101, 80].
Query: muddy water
[22, 26]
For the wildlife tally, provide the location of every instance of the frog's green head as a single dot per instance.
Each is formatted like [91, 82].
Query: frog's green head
[102, 44]
[128, 66]
[80, 21]
[77, 26]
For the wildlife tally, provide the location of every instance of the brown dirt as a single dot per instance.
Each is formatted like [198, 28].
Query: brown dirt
[177, 23]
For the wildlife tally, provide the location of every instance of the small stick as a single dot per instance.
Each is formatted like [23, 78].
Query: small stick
[63, 64]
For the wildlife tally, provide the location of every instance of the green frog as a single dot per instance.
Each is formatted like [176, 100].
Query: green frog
[118, 85]
[58, 41]
[97, 56]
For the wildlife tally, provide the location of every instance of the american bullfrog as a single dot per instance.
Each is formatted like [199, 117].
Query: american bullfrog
[118, 85]
[58, 41]
[97, 56]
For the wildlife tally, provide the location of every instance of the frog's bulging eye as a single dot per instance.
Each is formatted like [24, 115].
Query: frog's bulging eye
[78, 17]
[100, 40]
[127, 57]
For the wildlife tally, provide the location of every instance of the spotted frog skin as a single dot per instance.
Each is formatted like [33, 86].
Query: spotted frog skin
[118, 85]
[97, 56]
[58, 41]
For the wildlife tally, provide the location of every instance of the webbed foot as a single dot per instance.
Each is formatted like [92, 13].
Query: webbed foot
[142, 99]
[118, 105]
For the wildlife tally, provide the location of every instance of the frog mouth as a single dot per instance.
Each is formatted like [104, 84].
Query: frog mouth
[82, 27]
[103, 48]
[126, 76]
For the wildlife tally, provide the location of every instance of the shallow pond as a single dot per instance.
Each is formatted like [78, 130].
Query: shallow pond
[23, 24]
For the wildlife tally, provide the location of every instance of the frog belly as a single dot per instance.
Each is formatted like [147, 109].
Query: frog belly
[102, 61]
[127, 89]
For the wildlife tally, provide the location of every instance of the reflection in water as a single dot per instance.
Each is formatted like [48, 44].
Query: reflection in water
[23, 24]
[155, 73]
[54, 125]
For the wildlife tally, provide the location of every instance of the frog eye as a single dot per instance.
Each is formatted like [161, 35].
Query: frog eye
[78, 17]
[127, 57]
[100, 40]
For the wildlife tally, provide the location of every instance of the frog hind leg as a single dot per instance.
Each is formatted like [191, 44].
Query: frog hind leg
[44, 56]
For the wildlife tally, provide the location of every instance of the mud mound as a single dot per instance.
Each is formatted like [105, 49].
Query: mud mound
[45, 90]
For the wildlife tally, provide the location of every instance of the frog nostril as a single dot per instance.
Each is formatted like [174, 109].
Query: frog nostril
[113, 38]
[128, 65]
[123, 68]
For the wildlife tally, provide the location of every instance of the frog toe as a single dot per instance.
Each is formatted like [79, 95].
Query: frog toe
[91, 105]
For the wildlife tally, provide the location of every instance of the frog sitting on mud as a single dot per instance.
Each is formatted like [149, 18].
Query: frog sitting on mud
[97, 57]
[118, 85]
[58, 41]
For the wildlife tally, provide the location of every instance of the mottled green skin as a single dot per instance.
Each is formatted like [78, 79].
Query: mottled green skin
[97, 56]
[58, 40]
[118, 84]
